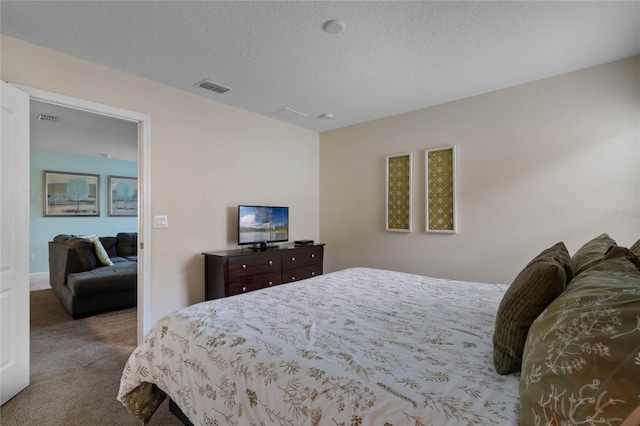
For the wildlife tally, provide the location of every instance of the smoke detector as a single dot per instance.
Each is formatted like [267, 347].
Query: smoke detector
[214, 87]
[333, 26]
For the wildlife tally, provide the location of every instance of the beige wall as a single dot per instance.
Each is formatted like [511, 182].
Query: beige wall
[554, 160]
[206, 158]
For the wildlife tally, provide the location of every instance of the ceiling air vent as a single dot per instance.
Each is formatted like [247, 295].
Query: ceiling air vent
[50, 118]
[214, 87]
[289, 114]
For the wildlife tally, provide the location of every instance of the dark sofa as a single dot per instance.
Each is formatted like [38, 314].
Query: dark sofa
[83, 283]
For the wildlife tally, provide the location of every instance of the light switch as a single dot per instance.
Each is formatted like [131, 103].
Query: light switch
[160, 222]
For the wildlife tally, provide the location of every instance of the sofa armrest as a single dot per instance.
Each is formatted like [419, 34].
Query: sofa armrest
[63, 260]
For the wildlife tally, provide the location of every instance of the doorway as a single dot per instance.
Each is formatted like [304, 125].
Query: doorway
[143, 224]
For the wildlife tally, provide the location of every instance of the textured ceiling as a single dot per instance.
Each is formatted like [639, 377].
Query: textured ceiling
[392, 57]
[82, 133]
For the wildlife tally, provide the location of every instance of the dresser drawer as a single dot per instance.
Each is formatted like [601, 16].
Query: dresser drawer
[297, 274]
[301, 257]
[256, 282]
[256, 264]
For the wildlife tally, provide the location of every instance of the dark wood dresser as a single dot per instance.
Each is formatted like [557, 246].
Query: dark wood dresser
[231, 272]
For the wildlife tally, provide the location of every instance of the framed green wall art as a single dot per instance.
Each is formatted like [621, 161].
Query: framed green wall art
[440, 185]
[398, 192]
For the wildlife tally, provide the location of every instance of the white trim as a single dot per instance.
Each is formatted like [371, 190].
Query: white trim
[144, 227]
[39, 281]
[144, 197]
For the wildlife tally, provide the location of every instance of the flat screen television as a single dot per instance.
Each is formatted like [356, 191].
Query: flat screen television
[262, 226]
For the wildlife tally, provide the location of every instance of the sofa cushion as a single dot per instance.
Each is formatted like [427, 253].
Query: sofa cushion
[582, 356]
[86, 251]
[109, 244]
[127, 244]
[61, 238]
[119, 277]
[541, 281]
[635, 248]
[592, 252]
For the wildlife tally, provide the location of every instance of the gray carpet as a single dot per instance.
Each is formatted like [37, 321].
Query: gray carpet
[76, 368]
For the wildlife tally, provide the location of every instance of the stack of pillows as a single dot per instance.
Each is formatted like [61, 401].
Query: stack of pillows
[571, 326]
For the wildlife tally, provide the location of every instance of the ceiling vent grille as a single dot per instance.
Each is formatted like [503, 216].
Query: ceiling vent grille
[49, 118]
[214, 87]
[288, 114]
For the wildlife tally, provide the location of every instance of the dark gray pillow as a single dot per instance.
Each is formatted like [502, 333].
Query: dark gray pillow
[109, 244]
[86, 251]
[127, 243]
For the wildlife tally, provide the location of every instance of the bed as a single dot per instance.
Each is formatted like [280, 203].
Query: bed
[559, 345]
[353, 347]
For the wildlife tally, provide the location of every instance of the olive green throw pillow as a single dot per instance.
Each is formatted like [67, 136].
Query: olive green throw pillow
[592, 252]
[541, 281]
[581, 360]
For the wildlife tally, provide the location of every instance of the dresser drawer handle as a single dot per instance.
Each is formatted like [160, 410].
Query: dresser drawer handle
[293, 259]
[293, 278]
[313, 274]
[271, 262]
[270, 283]
[313, 255]
[244, 266]
[244, 289]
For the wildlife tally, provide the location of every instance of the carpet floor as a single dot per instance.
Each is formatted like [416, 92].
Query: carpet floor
[75, 369]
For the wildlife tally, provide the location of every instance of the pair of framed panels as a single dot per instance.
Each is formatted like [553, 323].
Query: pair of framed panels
[68, 194]
[440, 191]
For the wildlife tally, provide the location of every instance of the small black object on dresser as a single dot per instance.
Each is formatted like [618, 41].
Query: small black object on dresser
[231, 272]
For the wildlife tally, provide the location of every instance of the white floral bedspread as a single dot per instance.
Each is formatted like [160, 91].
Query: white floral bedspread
[354, 347]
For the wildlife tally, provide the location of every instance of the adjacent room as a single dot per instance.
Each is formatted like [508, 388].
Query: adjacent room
[320, 212]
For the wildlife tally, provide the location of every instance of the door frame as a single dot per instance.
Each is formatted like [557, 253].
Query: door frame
[144, 187]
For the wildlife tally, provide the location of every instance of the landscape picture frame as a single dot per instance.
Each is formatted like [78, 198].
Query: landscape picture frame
[123, 196]
[71, 194]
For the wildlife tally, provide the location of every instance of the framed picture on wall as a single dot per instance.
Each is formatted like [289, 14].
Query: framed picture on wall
[398, 192]
[71, 194]
[123, 196]
[440, 186]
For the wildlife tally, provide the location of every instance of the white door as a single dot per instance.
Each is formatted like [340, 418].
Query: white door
[14, 242]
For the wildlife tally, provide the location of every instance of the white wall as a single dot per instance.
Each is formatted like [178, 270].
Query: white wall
[206, 158]
[553, 160]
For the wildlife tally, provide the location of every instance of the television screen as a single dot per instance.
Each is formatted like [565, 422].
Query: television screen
[262, 224]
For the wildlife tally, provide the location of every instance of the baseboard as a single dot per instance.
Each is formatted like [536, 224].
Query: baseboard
[39, 281]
